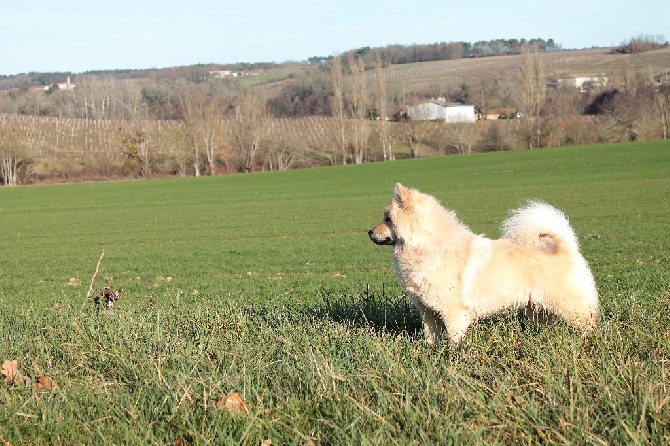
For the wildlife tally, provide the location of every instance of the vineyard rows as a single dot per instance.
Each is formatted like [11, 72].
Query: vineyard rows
[57, 141]
[53, 142]
[79, 140]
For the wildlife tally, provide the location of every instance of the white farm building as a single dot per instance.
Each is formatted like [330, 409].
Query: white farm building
[583, 81]
[442, 111]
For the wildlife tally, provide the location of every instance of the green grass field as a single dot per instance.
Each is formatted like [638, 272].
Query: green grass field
[266, 284]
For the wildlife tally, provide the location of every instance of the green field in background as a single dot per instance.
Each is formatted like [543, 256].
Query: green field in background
[267, 284]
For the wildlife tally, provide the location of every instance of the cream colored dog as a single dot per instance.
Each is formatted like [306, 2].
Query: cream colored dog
[454, 277]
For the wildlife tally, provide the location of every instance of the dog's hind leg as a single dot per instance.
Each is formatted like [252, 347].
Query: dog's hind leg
[576, 307]
[457, 322]
[583, 317]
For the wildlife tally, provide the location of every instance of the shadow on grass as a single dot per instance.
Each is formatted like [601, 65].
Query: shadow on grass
[373, 310]
[368, 310]
[382, 312]
[396, 314]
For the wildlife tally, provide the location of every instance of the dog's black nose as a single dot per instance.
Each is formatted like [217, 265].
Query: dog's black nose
[370, 233]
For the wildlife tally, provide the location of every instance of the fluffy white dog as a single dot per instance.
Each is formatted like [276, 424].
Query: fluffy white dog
[455, 277]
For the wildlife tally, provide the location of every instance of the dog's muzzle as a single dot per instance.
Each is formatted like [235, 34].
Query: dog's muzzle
[380, 241]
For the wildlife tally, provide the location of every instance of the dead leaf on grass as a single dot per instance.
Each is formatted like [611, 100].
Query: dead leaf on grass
[12, 374]
[46, 383]
[73, 282]
[10, 370]
[234, 403]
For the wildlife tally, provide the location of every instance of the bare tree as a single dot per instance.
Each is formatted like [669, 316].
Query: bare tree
[359, 108]
[338, 105]
[484, 91]
[132, 133]
[12, 156]
[532, 92]
[663, 104]
[177, 149]
[105, 90]
[383, 104]
[135, 146]
[410, 134]
[247, 128]
[93, 98]
[127, 103]
[533, 87]
[281, 151]
[202, 117]
[461, 137]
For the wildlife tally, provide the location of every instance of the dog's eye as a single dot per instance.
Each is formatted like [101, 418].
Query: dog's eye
[387, 219]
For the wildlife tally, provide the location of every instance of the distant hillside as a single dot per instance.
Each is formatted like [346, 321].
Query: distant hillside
[418, 76]
[390, 55]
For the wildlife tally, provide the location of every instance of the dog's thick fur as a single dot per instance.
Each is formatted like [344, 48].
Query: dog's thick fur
[455, 277]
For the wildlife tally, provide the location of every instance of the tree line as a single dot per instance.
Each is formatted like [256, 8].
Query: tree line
[405, 54]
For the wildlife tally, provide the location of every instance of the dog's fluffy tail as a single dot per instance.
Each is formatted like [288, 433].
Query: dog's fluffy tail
[542, 226]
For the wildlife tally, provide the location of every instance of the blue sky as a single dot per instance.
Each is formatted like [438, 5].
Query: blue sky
[84, 35]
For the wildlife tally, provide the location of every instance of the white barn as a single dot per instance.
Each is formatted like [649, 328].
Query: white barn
[582, 81]
[442, 111]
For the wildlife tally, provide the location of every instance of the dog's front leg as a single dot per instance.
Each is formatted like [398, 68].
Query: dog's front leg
[432, 322]
[432, 327]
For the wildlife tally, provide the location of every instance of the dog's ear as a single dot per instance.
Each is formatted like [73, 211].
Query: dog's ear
[401, 195]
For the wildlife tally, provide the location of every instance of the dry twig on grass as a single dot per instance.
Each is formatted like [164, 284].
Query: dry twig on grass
[90, 288]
